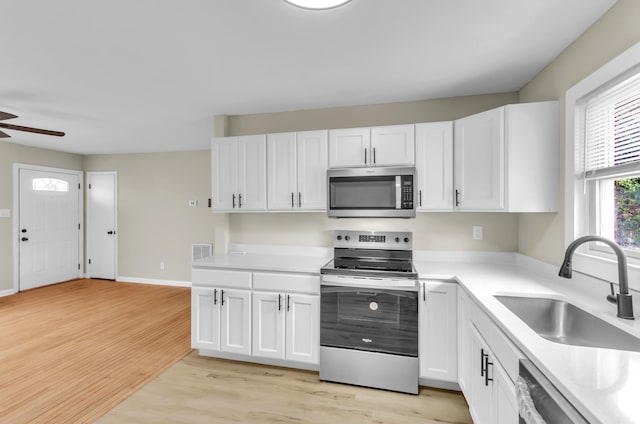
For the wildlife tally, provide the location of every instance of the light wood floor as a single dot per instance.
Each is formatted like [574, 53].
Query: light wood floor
[207, 390]
[70, 352]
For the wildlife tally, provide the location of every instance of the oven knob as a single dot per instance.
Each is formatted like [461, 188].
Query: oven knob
[347, 238]
[339, 238]
[406, 239]
[397, 239]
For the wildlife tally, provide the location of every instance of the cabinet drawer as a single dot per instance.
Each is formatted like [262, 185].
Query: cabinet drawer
[221, 278]
[298, 283]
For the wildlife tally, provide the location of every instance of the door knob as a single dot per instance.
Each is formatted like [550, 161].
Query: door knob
[24, 239]
[24, 230]
[109, 232]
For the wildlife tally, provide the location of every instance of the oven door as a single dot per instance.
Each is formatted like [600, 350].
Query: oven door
[369, 314]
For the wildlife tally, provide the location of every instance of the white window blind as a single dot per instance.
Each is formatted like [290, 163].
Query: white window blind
[612, 130]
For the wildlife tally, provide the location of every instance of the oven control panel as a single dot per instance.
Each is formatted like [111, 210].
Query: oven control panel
[373, 240]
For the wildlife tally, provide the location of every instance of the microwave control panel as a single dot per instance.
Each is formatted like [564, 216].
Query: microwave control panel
[407, 192]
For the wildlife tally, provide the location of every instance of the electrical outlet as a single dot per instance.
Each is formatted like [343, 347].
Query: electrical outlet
[477, 232]
[161, 266]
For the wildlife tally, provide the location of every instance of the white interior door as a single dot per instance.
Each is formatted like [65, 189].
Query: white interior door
[49, 227]
[101, 224]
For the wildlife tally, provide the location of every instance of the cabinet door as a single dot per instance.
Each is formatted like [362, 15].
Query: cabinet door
[282, 190]
[235, 321]
[205, 318]
[434, 166]
[312, 170]
[479, 161]
[506, 403]
[438, 331]
[349, 148]
[252, 172]
[224, 173]
[464, 345]
[392, 145]
[482, 391]
[268, 325]
[303, 328]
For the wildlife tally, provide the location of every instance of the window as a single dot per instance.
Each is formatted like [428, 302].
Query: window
[603, 166]
[611, 162]
[49, 184]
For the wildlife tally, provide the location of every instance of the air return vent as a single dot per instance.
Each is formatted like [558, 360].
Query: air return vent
[201, 250]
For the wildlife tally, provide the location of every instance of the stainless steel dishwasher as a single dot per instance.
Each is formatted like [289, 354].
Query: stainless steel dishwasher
[539, 402]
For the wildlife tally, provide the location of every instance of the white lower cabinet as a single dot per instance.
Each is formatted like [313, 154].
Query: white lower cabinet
[286, 326]
[487, 386]
[438, 336]
[221, 319]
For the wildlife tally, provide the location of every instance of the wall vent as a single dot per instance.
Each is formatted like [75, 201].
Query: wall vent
[201, 250]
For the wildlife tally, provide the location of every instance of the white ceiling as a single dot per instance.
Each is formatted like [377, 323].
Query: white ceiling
[122, 76]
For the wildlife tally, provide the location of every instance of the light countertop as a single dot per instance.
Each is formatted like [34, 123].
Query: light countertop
[264, 262]
[603, 384]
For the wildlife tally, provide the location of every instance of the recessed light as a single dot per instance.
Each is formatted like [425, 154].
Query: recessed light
[318, 4]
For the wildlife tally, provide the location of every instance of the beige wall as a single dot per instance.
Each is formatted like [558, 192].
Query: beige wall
[433, 231]
[367, 115]
[155, 222]
[542, 236]
[13, 153]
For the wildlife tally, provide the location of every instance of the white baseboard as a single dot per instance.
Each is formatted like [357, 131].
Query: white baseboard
[153, 281]
[8, 292]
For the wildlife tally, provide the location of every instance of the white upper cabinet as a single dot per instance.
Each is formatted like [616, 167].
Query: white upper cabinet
[238, 170]
[479, 161]
[378, 146]
[392, 145]
[349, 148]
[312, 153]
[506, 159]
[434, 166]
[297, 171]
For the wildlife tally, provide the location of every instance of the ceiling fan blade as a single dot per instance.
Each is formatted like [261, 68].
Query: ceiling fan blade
[5, 115]
[30, 129]
[4, 135]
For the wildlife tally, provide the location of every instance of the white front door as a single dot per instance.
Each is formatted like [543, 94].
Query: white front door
[101, 225]
[49, 227]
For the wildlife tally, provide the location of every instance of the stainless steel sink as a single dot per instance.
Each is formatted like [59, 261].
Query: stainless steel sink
[563, 322]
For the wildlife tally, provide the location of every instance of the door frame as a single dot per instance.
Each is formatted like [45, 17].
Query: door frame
[88, 209]
[16, 215]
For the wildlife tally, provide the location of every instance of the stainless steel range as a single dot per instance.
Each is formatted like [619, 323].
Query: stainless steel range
[369, 312]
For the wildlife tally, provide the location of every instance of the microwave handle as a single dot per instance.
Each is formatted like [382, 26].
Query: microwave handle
[398, 192]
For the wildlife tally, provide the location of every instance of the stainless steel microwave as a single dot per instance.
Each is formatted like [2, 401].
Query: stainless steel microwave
[371, 192]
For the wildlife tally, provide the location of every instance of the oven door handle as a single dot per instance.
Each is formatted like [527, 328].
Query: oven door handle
[371, 283]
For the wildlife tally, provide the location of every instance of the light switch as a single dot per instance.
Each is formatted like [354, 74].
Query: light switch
[477, 232]
[193, 203]
[5, 213]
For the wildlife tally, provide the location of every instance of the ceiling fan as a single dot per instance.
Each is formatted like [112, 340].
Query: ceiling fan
[5, 115]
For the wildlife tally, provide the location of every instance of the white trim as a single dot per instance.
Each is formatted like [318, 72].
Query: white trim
[16, 215]
[158, 282]
[88, 208]
[8, 292]
[599, 267]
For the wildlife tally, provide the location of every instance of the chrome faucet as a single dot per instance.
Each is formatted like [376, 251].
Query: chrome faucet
[623, 299]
